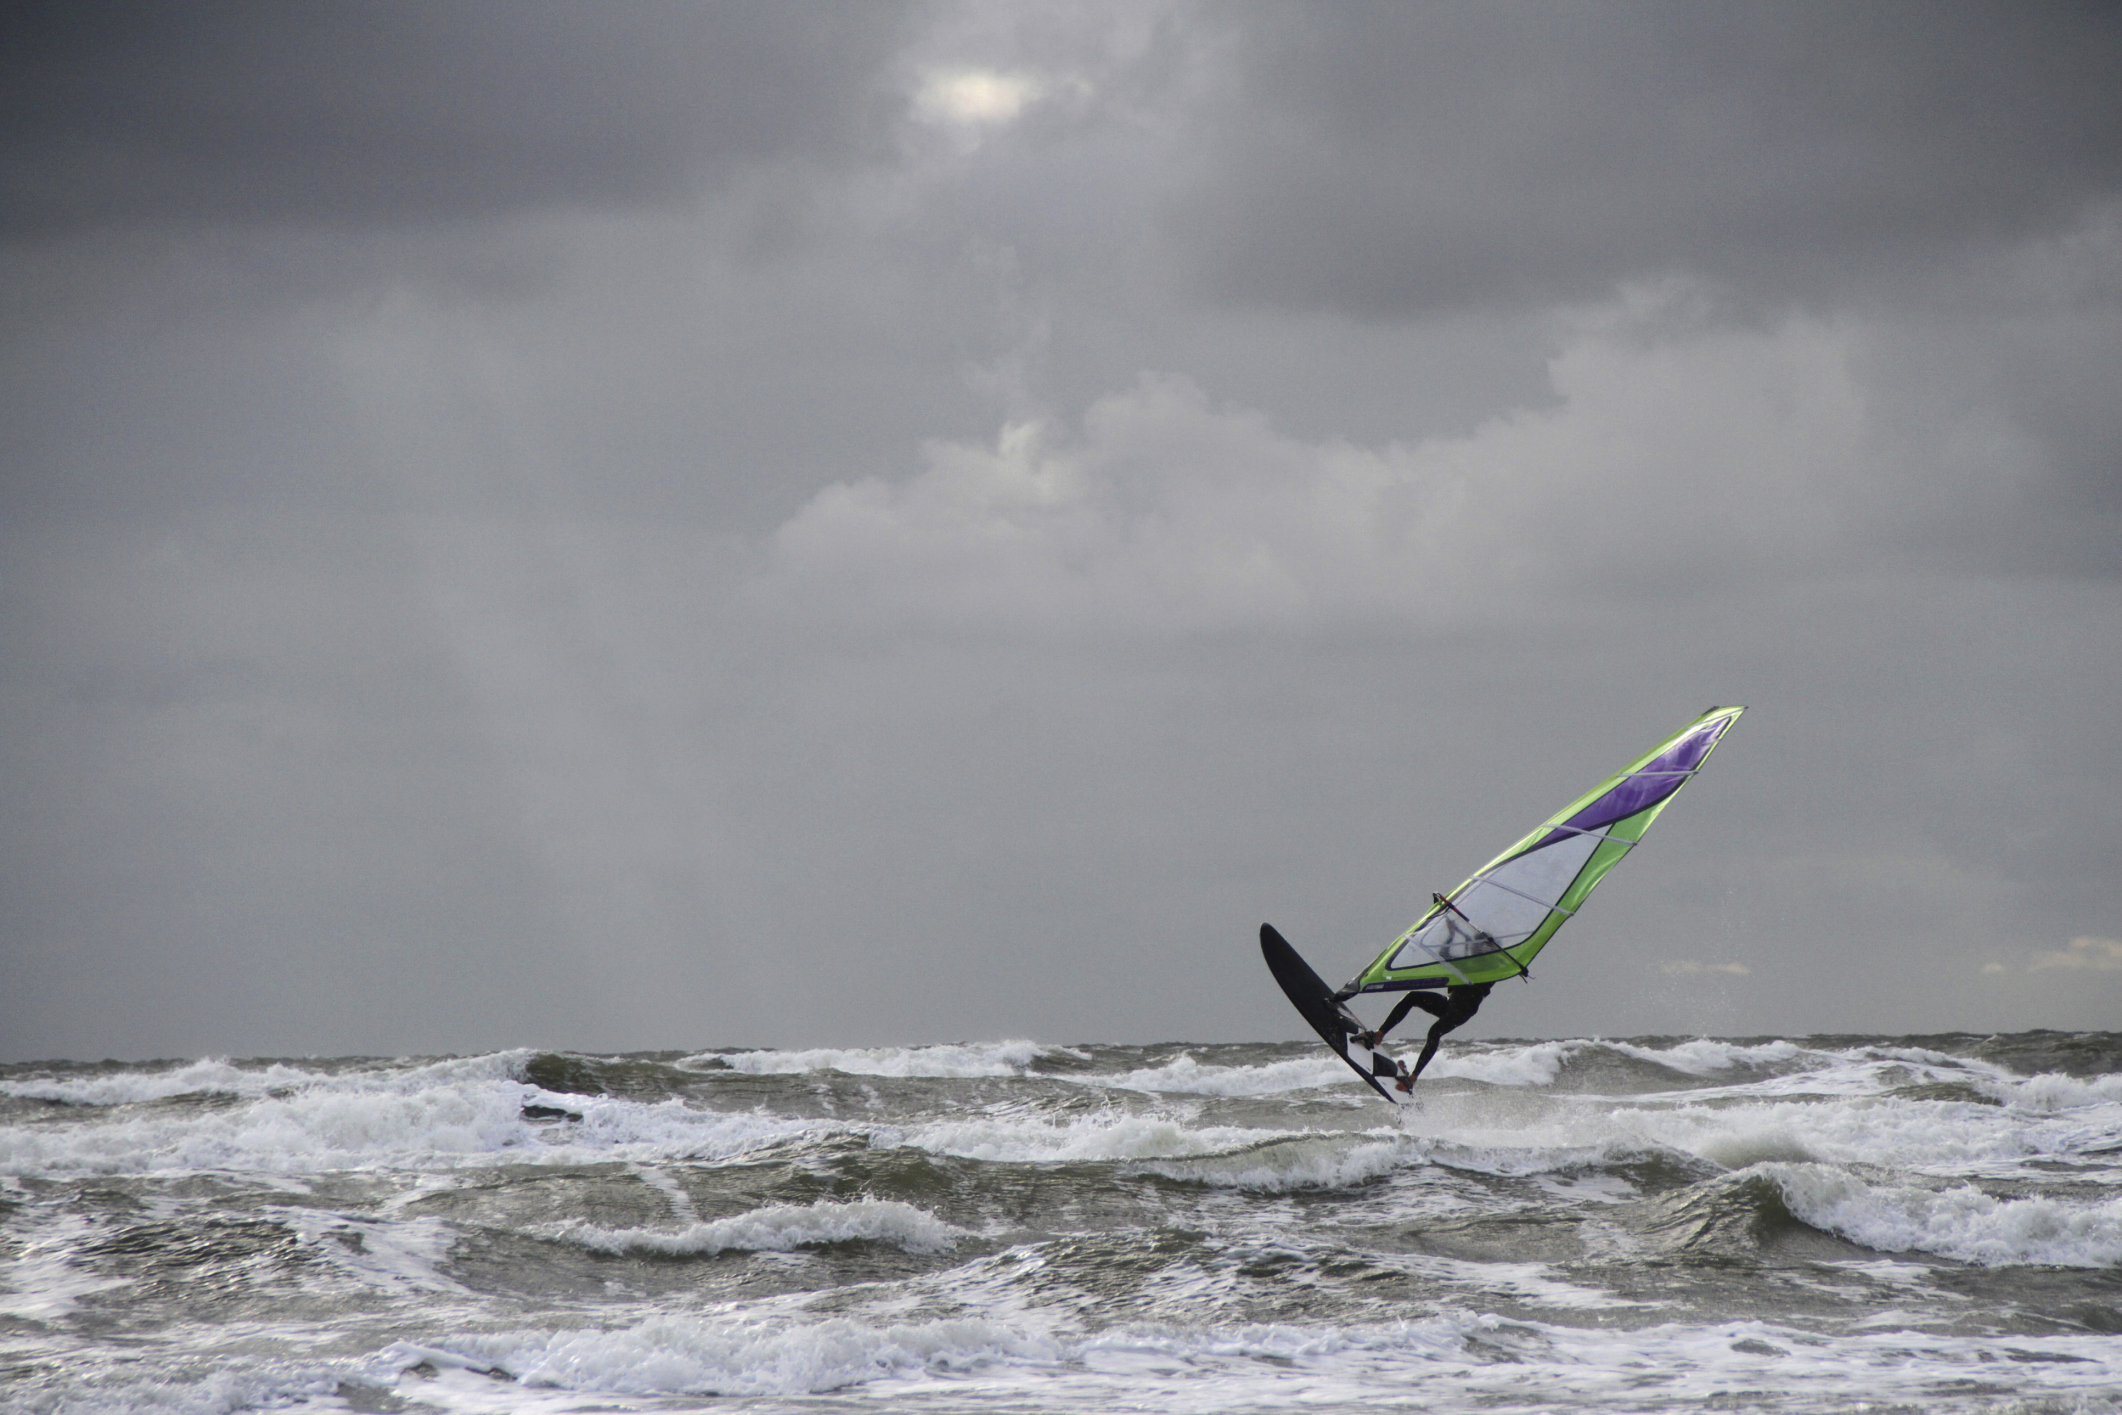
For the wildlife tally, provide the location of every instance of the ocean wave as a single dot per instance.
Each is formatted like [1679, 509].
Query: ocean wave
[43, 1280]
[1524, 1131]
[1462, 1358]
[1521, 1065]
[1294, 1162]
[1526, 1064]
[1142, 1237]
[779, 1228]
[1183, 1075]
[1115, 1136]
[236, 1384]
[1456, 1357]
[736, 1356]
[2052, 1093]
[1888, 1131]
[426, 1122]
[942, 1061]
[1704, 1056]
[400, 1253]
[222, 1077]
[776, 1355]
[1959, 1222]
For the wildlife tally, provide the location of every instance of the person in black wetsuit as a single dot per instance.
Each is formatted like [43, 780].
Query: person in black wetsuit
[1452, 1011]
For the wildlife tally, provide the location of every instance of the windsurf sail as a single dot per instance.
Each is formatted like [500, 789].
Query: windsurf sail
[1490, 928]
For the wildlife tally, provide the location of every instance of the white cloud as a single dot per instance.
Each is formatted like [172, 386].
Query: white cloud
[1688, 967]
[2101, 955]
[1672, 462]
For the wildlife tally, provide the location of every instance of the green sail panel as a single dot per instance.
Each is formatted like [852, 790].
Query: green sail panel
[1493, 925]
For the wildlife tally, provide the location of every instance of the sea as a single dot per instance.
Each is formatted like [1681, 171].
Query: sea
[1787, 1224]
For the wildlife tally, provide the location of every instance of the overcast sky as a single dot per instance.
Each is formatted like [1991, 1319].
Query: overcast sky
[634, 526]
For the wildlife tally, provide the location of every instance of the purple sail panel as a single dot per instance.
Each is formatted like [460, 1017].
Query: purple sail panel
[1653, 781]
[1626, 799]
[1687, 753]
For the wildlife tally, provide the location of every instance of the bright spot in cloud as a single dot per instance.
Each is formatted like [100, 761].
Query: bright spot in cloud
[975, 97]
[2099, 954]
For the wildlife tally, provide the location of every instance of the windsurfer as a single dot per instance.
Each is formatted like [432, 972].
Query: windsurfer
[1452, 1011]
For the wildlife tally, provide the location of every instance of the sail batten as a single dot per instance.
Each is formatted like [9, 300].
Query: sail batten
[1499, 884]
[1494, 924]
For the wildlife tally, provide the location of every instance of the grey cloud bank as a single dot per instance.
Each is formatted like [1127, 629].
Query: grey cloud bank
[374, 115]
[1541, 152]
[669, 526]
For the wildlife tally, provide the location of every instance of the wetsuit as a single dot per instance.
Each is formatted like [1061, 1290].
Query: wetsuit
[1452, 1011]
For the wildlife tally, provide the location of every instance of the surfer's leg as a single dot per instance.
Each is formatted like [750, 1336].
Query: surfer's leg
[1409, 1001]
[1449, 1017]
[1429, 1049]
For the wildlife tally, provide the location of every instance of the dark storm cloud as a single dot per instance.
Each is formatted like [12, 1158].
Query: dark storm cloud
[1388, 159]
[365, 114]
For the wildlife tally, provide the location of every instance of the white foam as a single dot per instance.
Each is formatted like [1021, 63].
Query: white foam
[1116, 1136]
[2051, 1094]
[1959, 1222]
[1739, 1129]
[1705, 1056]
[398, 1254]
[779, 1228]
[218, 1076]
[970, 1059]
[1845, 1111]
[1536, 1064]
[1183, 1075]
[1456, 1359]
[1029, 1358]
[1761, 1139]
[229, 1385]
[1924, 1056]
[43, 1282]
[1541, 1063]
[681, 1203]
[1941, 1136]
[435, 1116]
[743, 1355]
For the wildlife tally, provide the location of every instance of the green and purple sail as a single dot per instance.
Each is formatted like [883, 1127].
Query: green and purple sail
[1490, 927]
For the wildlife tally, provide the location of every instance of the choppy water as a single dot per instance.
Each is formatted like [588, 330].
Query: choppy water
[1826, 1224]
